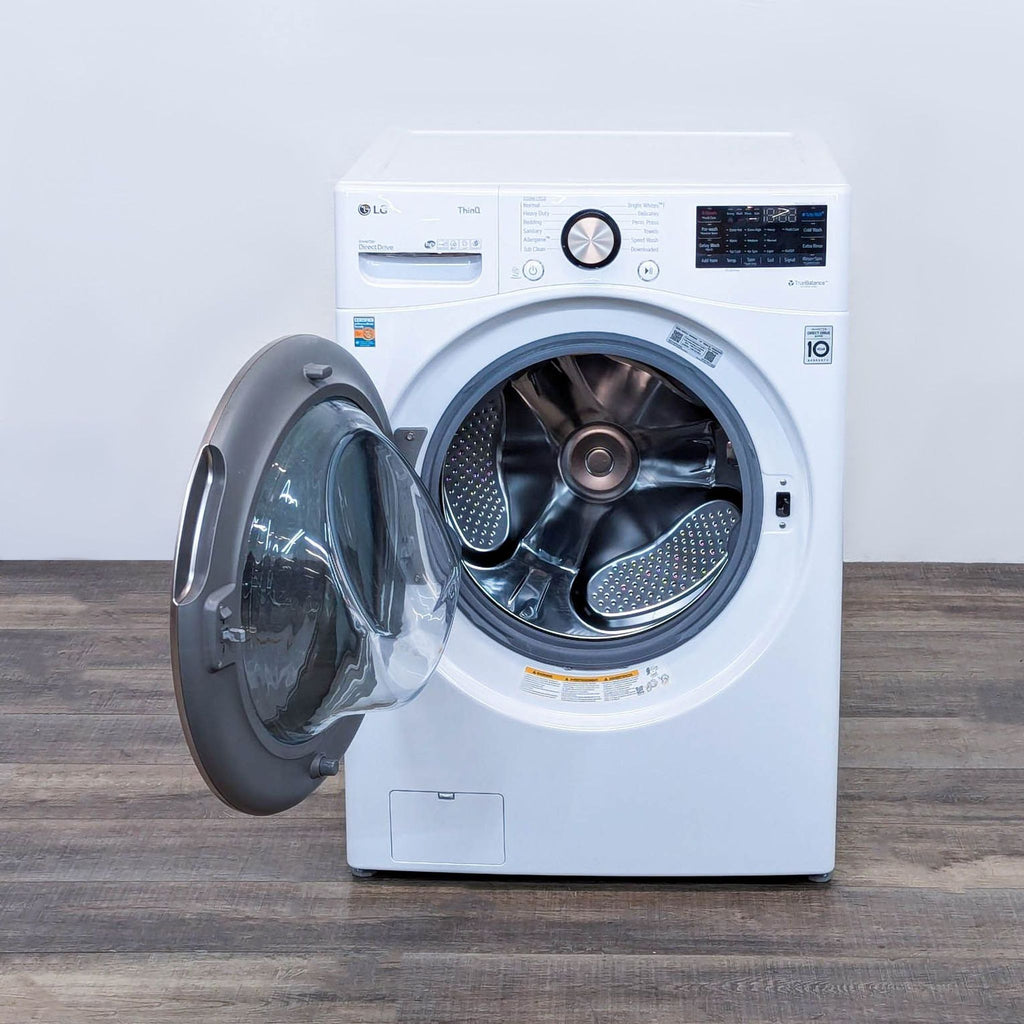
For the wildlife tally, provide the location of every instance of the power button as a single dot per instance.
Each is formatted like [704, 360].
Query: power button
[533, 270]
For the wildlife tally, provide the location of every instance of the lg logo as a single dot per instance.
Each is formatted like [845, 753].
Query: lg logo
[365, 209]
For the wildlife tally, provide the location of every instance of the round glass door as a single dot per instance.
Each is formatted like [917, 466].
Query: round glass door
[349, 582]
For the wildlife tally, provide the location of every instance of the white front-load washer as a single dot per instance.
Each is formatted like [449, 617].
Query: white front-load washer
[548, 543]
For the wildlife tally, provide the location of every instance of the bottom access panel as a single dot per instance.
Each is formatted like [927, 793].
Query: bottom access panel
[447, 828]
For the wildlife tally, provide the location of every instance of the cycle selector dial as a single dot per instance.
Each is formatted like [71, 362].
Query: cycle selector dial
[591, 239]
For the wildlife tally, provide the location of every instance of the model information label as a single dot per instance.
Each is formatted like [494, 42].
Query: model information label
[695, 346]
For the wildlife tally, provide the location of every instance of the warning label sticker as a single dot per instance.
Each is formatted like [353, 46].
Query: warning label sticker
[592, 689]
[695, 346]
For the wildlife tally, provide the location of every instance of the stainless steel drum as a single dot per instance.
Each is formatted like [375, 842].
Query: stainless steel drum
[594, 496]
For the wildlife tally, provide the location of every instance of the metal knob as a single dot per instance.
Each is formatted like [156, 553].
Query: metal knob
[591, 239]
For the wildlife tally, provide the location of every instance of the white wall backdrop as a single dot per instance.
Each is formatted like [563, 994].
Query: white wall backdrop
[165, 209]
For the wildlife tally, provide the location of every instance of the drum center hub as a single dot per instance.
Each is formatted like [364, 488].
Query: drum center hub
[599, 462]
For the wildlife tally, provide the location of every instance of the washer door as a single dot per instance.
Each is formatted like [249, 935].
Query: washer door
[314, 579]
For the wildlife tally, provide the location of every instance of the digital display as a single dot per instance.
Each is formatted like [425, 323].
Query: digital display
[761, 236]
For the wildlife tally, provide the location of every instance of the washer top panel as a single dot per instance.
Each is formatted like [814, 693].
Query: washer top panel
[598, 158]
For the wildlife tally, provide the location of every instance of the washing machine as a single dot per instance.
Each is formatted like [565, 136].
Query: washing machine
[547, 543]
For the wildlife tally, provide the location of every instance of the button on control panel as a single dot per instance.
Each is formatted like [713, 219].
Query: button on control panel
[736, 237]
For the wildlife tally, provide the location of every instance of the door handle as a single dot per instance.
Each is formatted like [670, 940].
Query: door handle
[198, 524]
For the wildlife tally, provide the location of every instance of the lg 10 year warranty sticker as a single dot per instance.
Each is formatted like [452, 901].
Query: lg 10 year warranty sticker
[817, 344]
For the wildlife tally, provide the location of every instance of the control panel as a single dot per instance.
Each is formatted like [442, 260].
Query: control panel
[661, 240]
[734, 237]
[565, 237]
[413, 245]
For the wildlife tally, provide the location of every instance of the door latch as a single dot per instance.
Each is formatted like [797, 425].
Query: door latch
[218, 637]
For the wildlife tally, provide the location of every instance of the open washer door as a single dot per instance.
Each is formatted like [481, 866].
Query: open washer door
[314, 579]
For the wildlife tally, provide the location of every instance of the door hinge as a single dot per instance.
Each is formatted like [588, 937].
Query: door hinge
[323, 766]
[314, 372]
[409, 441]
[233, 635]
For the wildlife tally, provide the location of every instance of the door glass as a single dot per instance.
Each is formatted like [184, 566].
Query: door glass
[350, 582]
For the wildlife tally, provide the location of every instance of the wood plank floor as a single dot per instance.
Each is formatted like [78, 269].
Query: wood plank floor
[127, 893]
